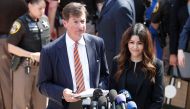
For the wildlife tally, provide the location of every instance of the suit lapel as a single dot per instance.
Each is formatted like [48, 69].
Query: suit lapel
[63, 58]
[90, 50]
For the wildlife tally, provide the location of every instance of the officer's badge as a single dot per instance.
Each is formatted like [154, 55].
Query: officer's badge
[16, 26]
[156, 8]
[45, 24]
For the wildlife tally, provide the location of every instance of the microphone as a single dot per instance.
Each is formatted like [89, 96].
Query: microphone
[102, 102]
[86, 103]
[126, 93]
[121, 100]
[112, 96]
[96, 94]
[131, 105]
[118, 107]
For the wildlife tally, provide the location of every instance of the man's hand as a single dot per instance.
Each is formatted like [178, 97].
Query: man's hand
[181, 58]
[173, 60]
[69, 96]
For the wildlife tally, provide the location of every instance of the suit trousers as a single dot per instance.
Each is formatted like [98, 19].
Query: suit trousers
[5, 74]
[25, 91]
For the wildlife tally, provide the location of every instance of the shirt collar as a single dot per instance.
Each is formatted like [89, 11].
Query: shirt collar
[70, 42]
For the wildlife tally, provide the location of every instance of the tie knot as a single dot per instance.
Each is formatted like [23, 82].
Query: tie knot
[76, 44]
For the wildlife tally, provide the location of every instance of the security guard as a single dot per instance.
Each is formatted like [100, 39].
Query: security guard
[10, 10]
[28, 35]
[159, 26]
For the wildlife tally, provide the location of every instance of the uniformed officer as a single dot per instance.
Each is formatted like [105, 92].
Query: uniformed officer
[159, 24]
[28, 35]
[10, 10]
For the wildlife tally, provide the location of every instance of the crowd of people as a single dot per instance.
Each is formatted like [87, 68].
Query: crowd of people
[56, 49]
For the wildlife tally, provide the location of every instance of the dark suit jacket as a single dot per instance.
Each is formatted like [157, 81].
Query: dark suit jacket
[184, 36]
[146, 94]
[182, 19]
[55, 73]
[178, 15]
[114, 19]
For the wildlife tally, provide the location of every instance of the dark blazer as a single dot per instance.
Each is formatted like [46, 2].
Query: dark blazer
[146, 94]
[55, 73]
[114, 19]
[182, 19]
[184, 36]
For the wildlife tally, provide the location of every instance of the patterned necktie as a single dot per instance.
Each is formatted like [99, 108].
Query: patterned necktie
[78, 70]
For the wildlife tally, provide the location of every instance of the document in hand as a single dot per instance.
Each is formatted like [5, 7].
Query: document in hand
[89, 93]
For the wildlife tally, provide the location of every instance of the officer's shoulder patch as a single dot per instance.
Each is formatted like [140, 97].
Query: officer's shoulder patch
[16, 26]
[156, 8]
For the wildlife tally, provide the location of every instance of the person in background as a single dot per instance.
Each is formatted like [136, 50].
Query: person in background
[179, 14]
[10, 10]
[137, 70]
[51, 10]
[114, 18]
[184, 53]
[159, 17]
[159, 26]
[28, 35]
[74, 62]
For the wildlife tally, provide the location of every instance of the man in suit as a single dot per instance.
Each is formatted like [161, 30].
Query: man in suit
[115, 17]
[74, 62]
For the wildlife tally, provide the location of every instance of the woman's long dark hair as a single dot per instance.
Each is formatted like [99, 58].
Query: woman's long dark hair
[147, 57]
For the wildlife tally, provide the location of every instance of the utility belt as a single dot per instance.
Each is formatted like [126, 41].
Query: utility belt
[27, 63]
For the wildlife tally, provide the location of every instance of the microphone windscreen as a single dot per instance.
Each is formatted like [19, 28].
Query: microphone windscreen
[131, 105]
[86, 101]
[126, 93]
[112, 95]
[96, 94]
[102, 101]
[120, 98]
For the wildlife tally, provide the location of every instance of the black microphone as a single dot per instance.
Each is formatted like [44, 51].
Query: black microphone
[86, 103]
[112, 96]
[121, 100]
[102, 102]
[96, 94]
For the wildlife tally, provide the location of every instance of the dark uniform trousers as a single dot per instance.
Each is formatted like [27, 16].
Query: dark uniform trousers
[5, 75]
[25, 92]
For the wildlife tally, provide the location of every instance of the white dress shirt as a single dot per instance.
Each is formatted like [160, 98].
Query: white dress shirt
[83, 59]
